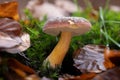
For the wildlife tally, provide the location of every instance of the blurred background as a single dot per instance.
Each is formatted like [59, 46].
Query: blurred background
[89, 9]
[95, 3]
[64, 7]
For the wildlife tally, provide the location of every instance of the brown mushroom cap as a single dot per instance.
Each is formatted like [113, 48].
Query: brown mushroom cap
[76, 25]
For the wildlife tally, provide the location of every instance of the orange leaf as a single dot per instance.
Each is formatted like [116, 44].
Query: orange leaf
[107, 54]
[10, 10]
[113, 56]
[19, 72]
[87, 76]
[16, 64]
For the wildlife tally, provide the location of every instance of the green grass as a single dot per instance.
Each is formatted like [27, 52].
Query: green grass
[105, 31]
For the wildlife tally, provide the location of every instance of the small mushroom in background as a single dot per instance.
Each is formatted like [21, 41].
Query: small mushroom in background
[39, 10]
[115, 8]
[67, 6]
[67, 27]
[51, 8]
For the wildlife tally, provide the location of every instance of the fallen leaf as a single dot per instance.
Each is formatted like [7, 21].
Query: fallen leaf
[7, 42]
[86, 76]
[10, 27]
[25, 44]
[90, 59]
[111, 74]
[113, 57]
[94, 15]
[10, 10]
[19, 72]
[17, 65]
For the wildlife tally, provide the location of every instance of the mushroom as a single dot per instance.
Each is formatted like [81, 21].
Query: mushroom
[67, 27]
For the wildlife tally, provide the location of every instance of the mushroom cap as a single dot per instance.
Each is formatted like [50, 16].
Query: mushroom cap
[75, 25]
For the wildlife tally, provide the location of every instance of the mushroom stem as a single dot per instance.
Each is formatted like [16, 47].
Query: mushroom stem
[57, 55]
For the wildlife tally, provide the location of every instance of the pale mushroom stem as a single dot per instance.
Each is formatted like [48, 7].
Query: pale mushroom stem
[57, 55]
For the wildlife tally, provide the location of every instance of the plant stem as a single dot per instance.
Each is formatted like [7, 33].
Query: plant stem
[116, 43]
[103, 25]
[57, 55]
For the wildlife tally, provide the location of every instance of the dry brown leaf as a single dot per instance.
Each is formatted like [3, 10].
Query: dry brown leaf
[10, 31]
[7, 42]
[17, 65]
[108, 64]
[25, 44]
[86, 76]
[112, 58]
[90, 59]
[19, 72]
[10, 27]
[12, 39]
[94, 15]
[111, 74]
[10, 10]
